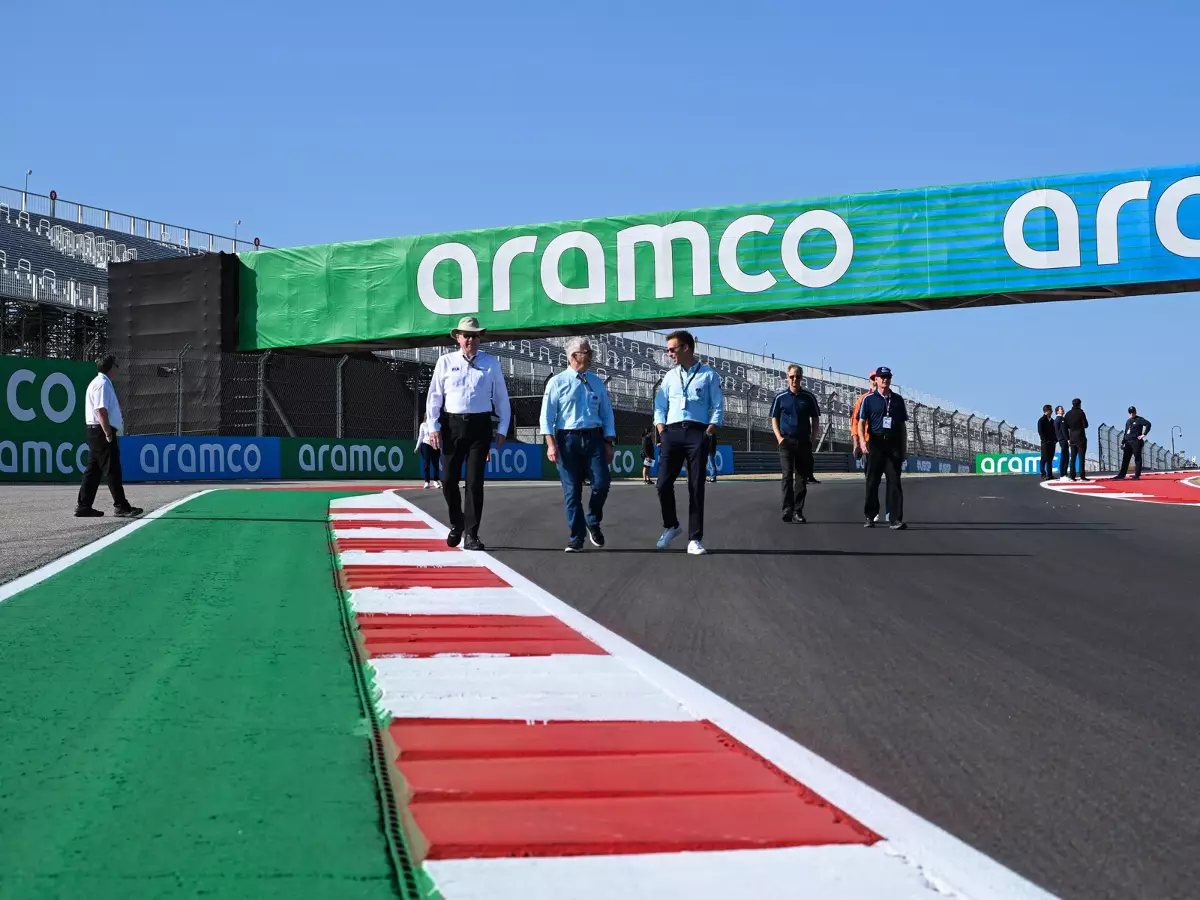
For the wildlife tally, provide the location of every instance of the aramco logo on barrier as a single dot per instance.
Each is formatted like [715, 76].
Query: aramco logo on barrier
[356, 458]
[1007, 463]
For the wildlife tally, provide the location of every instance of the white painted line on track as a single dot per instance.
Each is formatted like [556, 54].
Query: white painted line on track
[951, 864]
[830, 872]
[381, 516]
[532, 688]
[409, 558]
[384, 532]
[444, 602]
[29, 579]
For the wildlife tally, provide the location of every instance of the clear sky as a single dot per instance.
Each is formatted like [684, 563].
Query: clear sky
[316, 122]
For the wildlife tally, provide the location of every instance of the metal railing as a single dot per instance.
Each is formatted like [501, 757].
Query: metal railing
[179, 236]
[1155, 457]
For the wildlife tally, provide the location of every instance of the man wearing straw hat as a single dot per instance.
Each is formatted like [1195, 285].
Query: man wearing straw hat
[467, 387]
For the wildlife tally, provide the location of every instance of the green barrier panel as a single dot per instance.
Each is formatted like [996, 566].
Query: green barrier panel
[41, 419]
[347, 458]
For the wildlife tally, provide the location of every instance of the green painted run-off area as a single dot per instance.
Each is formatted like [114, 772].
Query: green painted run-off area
[179, 717]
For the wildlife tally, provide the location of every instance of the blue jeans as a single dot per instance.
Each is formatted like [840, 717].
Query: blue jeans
[578, 455]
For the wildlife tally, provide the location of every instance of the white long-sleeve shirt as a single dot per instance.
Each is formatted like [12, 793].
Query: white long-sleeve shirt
[462, 386]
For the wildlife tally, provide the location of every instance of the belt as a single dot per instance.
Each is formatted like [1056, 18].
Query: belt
[469, 415]
[583, 431]
[687, 423]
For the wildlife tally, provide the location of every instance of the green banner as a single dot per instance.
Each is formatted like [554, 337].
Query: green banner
[1047, 238]
[330, 458]
[42, 436]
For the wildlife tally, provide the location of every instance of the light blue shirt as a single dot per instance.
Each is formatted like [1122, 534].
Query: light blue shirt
[692, 396]
[576, 400]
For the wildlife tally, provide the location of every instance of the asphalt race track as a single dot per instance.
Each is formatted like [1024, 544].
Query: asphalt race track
[1019, 667]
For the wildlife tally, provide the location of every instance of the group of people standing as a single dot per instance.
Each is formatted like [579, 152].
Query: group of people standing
[1066, 432]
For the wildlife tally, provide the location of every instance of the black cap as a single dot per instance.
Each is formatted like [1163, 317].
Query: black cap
[1133, 409]
[883, 372]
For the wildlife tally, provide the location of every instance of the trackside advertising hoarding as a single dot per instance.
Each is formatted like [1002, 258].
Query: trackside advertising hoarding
[199, 458]
[1013, 463]
[876, 252]
[922, 464]
[42, 434]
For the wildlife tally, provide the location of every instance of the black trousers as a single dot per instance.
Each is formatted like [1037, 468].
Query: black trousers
[1048, 459]
[796, 462]
[1064, 458]
[884, 458]
[683, 442]
[1132, 450]
[466, 438]
[104, 459]
[1078, 452]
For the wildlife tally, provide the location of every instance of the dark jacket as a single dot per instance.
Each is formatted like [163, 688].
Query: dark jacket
[1077, 426]
[1060, 429]
[1136, 427]
[1046, 430]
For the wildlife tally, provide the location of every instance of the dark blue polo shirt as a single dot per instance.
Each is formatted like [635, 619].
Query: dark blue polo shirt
[876, 408]
[795, 413]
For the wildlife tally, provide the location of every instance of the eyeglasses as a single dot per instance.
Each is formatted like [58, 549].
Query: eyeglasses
[792, 377]
[673, 350]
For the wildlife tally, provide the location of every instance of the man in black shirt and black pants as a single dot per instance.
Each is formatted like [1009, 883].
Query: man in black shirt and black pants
[1133, 442]
[883, 419]
[1077, 426]
[794, 417]
[1064, 444]
[1047, 436]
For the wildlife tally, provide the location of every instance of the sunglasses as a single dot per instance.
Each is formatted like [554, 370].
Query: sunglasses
[792, 377]
[673, 350]
[582, 353]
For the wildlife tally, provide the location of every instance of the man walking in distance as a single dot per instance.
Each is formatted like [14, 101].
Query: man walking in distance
[1077, 425]
[1064, 444]
[577, 421]
[466, 386]
[648, 445]
[858, 435]
[1049, 439]
[430, 459]
[1132, 444]
[794, 414]
[688, 404]
[883, 419]
[102, 416]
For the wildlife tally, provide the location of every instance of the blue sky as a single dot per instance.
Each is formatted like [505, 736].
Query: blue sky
[335, 122]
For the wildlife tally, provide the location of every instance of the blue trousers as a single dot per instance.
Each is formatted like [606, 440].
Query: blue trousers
[580, 455]
[431, 469]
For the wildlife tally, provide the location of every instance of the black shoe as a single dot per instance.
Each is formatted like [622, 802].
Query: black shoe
[812, 480]
[453, 538]
[595, 535]
[870, 523]
[129, 512]
[898, 526]
[472, 542]
[88, 513]
[1120, 477]
[1136, 478]
[574, 546]
[800, 520]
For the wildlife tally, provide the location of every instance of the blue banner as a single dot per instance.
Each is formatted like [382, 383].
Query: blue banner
[199, 458]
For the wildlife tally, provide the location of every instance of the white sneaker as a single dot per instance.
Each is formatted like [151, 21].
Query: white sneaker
[667, 536]
[426, 486]
[695, 548]
[438, 485]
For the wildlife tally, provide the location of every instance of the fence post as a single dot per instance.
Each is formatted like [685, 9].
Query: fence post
[749, 391]
[179, 389]
[262, 383]
[340, 384]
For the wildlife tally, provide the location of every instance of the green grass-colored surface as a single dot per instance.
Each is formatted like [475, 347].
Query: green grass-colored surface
[178, 717]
